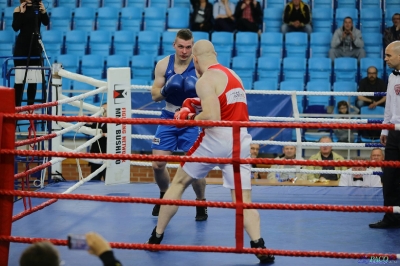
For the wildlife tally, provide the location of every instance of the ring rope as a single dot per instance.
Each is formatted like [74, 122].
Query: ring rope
[323, 93]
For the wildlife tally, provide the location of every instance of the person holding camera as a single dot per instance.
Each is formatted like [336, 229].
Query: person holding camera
[27, 18]
[347, 42]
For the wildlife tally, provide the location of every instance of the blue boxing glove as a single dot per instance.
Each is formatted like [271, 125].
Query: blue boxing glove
[189, 85]
[173, 85]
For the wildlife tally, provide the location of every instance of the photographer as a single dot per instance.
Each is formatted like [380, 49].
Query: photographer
[347, 42]
[27, 44]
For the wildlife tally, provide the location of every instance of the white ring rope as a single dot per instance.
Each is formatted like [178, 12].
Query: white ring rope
[326, 93]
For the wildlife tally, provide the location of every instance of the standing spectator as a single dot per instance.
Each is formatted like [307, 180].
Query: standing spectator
[391, 139]
[344, 108]
[347, 41]
[371, 83]
[223, 16]
[201, 18]
[325, 153]
[254, 150]
[248, 15]
[296, 17]
[359, 180]
[289, 152]
[392, 33]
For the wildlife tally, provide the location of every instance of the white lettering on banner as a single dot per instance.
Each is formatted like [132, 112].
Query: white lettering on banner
[236, 96]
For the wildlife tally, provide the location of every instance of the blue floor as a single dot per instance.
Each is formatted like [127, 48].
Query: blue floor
[133, 223]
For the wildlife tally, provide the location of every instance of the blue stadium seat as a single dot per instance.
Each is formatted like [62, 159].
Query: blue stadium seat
[322, 19]
[345, 86]
[3, 3]
[159, 3]
[296, 44]
[114, 3]
[70, 62]
[373, 45]
[84, 18]
[318, 85]
[317, 103]
[341, 13]
[168, 38]
[246, 44]
[181, 3]
[136, 3]
[131, 18]
[93, 66]
[391, 5]
[70, 4]
[125, 42]
[320, 69]
[8, 17]
[224, 60]
[269, 85]
[117, 60]
[269, 68]
[367, 62]
[200, 35]
[178, 18]
[271, 44]
[291, 85]
[346, 4]
[345, 69]
[140, 82]
[370, 4]
[320, 43]
[275, 3]
[155, 19]
[142, 67]
[7, 39]
[149, 43]
[294, 69]
[370, 20]
[61, 18]
[76, 42]
[223, 42]
[272, 20]
[90, 3]
[100, 42]
[53, 41]
[245, 67]
[322, 3]
[107, 18]
[376, 113]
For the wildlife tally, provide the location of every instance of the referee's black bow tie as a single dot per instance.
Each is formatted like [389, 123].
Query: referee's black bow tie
[396, 72]
[358, 179]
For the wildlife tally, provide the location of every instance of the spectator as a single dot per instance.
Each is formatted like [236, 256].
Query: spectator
[347, 42]
[254, 150]
[344, 108]
[392, 33]
[296, 17]
[289, 152]
[201, 18]
[223, 16]
[325, 153]
[359, 180]
[371, 83]
[376, 156]
[249, 16]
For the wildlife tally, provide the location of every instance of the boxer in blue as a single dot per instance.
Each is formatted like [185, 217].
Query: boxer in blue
[175, 79]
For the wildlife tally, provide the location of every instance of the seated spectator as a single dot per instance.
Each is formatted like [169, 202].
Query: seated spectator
[325, 153]
[371, 83]
[344, 108]
[254, 150]
[249, 16]
[289, 152]
[347, 41]
[201, 18]
[359, 180]
[296, 17]
[223, 13]
[377, 155]
[392, 33]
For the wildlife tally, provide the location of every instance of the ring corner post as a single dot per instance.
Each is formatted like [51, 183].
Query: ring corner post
[7, 141]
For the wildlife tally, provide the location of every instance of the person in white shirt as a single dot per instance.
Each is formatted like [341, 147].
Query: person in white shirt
[391, 140]
[359, 180]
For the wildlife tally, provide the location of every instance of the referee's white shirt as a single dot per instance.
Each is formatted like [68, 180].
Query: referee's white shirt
[392, 107]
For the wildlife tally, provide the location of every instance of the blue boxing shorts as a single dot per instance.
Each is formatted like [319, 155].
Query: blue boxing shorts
[171, 138]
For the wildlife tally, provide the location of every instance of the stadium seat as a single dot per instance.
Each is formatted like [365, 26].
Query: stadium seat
[107, 18]
[246, 44]
[7, 39]
[131, 18]
[155, 19]
[117, 60]
[181, 3]
[271, 44]
[159, 3]
[142, 67]
[8, 17]
[320, 43]
[322, 19]
[341, 13]
[345, 86]
[296, 44]
[70, 62]
[168, 38]
[76, 42]
[84, 18]
[318, 103]
[178, 18]
[391, 5]
[294, 69]
[320, 69]
[223, 42]
[345, 69]
[370, 20]
[136, 3]
[269, 85]
[71, 4]
[370, 4]
[61, 18]
[269, 68]
[53, 42]
[149, 43]
[245, 67]
[272, 20]
[366, 62]
[89, 3]
[113, 3]
[93, 66]
[224, 60]
[368, 136]
[275, 3]
[140, 82]
[318, 85]
[125, 42]
[290, 85]
[373, 45]
[100, 42]
[322, 3]
[200, 35]
[347, 4]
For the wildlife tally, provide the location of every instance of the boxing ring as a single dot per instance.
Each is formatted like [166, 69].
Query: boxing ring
[322, 222]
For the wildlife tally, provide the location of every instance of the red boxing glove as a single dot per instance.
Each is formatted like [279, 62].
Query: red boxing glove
[184, 114]
[194, 105]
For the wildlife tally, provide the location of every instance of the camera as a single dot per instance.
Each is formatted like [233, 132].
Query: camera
[36, 3]
[77, 242]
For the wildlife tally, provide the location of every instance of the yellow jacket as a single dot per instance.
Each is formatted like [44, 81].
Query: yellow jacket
[336, 157]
